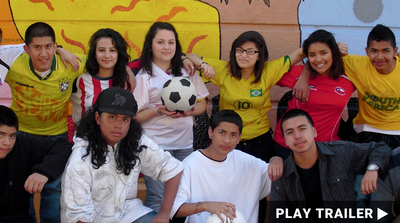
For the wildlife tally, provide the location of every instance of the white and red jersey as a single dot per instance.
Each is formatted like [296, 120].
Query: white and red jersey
[88, 87]
[326, 103]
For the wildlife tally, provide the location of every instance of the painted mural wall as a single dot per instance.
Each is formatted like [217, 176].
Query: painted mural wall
[205, 27]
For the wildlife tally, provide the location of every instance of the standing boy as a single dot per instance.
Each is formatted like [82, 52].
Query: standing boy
[322, 174]
[26, 164]
[219, 179]
[377, 79]
[41, 88]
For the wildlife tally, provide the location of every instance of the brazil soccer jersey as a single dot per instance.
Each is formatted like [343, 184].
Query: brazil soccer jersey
[251, 101]
[41, 103]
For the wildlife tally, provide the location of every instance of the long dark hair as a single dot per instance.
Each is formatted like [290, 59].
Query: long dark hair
[323, 36]
[120, 76]
[147, 54]
[256, 38]
[127, 151]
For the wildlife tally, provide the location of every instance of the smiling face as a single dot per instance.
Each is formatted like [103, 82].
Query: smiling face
[41, 50]
[163, 47]
[299, 135]
[225, 137]
[382, 56]
[245, 61]
[320, 58]
[114, 127]
[8, 135]
[106, 54]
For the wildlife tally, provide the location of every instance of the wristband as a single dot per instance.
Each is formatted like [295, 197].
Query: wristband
[155, 109]
[198, 213]
[202, 64]
[185, 58]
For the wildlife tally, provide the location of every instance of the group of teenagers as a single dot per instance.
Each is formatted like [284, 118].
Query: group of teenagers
[123, 129]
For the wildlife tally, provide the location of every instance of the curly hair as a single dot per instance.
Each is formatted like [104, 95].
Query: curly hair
[120, 76]
[127, 151]
[323, 36]
[259, 41]
[147, 54]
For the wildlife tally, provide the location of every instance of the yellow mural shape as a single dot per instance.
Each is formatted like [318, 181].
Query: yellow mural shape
[74, 21]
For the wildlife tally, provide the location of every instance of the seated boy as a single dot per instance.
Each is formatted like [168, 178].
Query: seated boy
[101, 177]
[322, 174]
[26, 164]
[219, 179]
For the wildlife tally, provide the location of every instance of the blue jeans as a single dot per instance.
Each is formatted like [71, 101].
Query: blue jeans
[393, 141]
[155, 188]
[50, 195]
[147, 218]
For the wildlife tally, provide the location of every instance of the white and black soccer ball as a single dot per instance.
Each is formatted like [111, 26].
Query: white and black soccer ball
[179, 94]
[213, 218]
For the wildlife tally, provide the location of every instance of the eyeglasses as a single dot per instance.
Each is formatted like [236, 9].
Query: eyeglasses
[248, 52]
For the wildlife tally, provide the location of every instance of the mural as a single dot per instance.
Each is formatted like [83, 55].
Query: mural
[75, 21]
[350, 21]
[206, 27]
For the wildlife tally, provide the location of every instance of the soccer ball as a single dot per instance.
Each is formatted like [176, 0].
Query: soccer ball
[213, 218]
[179, 94]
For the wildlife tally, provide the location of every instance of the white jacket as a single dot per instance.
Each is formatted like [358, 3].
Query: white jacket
[103, 195]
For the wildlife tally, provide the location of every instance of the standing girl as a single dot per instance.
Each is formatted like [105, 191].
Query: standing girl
[106, 66]
[245, 82]
[172, 131]
[330, 89]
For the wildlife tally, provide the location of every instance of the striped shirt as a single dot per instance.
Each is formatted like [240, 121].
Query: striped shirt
[85, 92]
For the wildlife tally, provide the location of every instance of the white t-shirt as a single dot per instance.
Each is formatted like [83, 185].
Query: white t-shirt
[240, 179]
[168, 133]
[8, 54]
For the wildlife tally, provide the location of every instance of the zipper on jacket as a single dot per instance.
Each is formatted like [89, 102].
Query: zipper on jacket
[11, 184]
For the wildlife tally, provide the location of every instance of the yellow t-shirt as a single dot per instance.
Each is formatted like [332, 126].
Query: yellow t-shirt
[41, 104]
[250, 101]
[378, 94]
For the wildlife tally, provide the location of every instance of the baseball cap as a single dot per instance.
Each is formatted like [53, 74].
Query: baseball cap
[116, 100]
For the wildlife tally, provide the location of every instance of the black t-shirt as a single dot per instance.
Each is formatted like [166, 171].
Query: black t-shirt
[311, 184]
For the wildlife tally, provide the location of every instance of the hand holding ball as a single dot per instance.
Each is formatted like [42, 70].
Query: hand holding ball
[179, 94]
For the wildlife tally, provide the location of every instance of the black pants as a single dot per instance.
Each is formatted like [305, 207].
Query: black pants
[261, 147]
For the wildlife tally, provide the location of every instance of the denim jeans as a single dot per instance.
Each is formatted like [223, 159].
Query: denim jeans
[50, 195]
[393, 141]
[147, 218]
[155, 188]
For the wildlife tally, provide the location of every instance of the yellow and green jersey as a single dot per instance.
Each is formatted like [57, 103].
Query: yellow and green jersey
[250, 101]
[41, 103]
